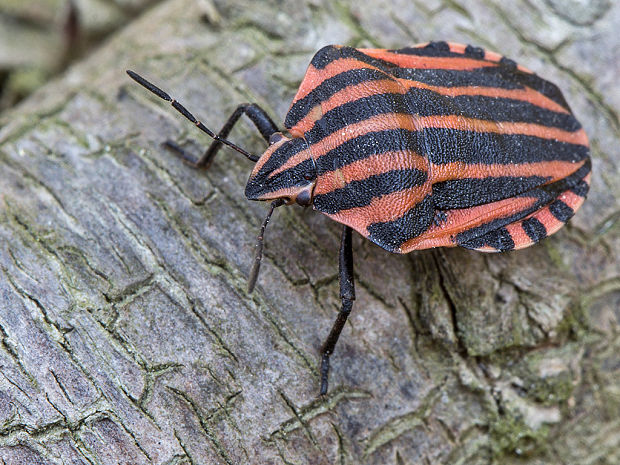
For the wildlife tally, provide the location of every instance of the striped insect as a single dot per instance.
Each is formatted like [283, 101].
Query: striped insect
[436, 145]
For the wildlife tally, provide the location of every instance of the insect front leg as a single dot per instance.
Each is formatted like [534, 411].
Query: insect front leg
[257, 115]
[347, 294]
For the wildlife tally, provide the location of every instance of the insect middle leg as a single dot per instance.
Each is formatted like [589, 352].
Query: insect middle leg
[257, 115]
[347, 294]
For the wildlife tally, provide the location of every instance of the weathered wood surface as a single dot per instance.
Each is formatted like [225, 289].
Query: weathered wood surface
[39, 38]
[126, 332]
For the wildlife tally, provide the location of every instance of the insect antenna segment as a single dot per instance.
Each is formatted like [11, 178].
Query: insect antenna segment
[181, 109]
[258, 256]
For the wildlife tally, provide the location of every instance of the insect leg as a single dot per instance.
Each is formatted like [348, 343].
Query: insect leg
[259, 246]
[347, 294]
[257, 115]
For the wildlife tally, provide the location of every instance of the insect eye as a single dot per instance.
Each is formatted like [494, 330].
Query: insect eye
[303, 198]
[275, 138]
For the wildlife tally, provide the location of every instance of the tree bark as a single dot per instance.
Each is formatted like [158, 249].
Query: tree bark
[127, 335]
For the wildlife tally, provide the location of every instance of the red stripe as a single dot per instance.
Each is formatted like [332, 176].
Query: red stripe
[314, 77]
[426, 62]
[362, 169]
[376, 123]
[502, 127]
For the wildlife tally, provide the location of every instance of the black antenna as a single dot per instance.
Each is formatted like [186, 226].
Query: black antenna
[258, 256]
[181, 109]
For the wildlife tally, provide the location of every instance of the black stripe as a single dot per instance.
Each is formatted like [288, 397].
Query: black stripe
[561, 211]
[572, 181]
[423, 102]
[367, 145]
[294, 176]
[360, 193]
[474, 52]
[325, 56]
[356, 111]
[432, 49]
[470, 192]
[508, 63]
[451, 145]
[327, 89]
[581, 188]
[329, 54]
[262, 184]
[282, 155]
[506, 76]
[534, 229]
[427, 103]
[488, 76]
[392, 234]
[499, 239]
[548, 89]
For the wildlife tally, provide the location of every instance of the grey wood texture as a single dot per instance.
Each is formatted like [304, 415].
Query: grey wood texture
[126, 333]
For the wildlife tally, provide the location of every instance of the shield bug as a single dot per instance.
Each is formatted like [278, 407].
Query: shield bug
[435, 145]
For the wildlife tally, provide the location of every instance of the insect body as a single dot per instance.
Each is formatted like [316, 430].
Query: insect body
[439, 144]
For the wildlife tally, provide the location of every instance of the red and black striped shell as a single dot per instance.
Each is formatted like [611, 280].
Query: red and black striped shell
[439, 144]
